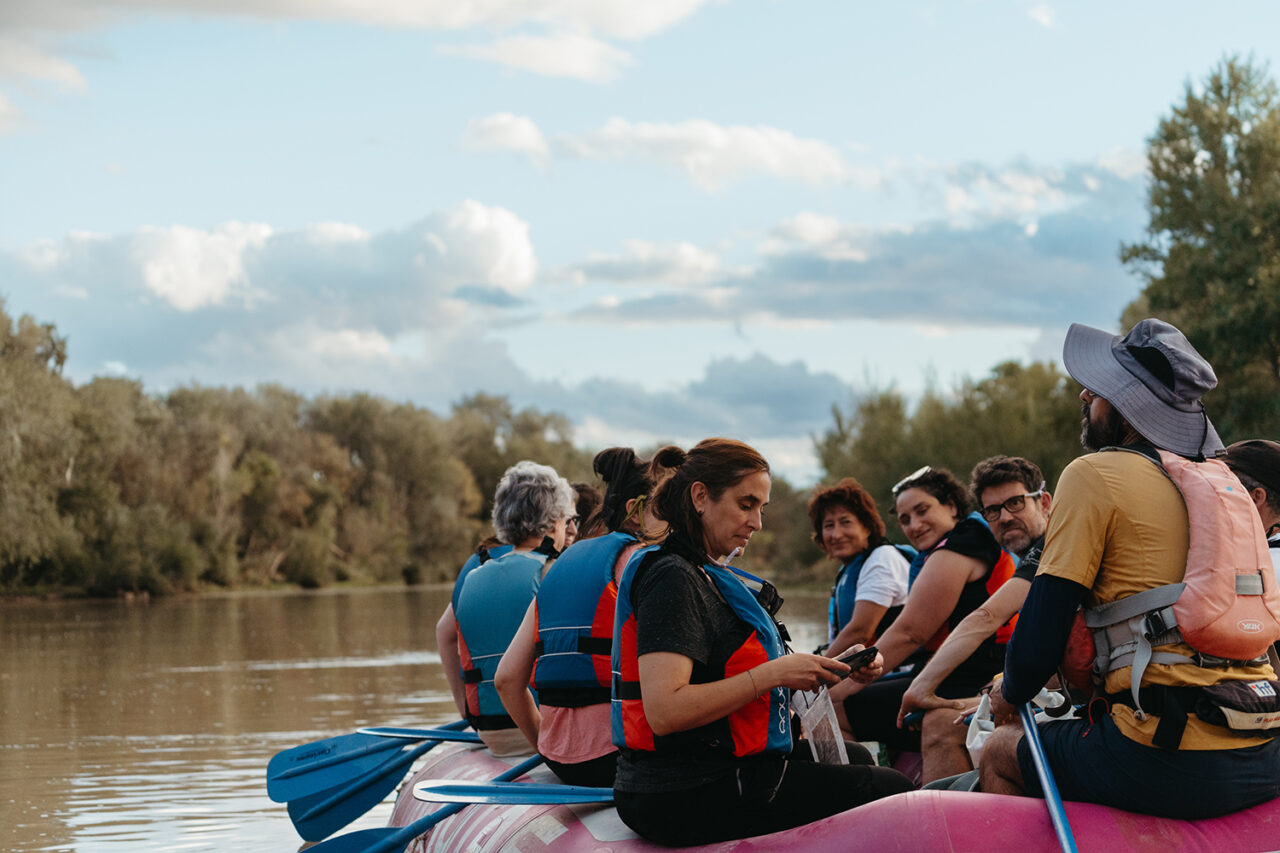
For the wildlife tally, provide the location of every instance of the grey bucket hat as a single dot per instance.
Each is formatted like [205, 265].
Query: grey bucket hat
[1154, 378]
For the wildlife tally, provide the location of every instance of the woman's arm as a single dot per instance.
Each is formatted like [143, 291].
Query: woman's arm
[672, 704]
[960, 643]
[447, 646]
[860, 628]
[931, 601]
[512, 679]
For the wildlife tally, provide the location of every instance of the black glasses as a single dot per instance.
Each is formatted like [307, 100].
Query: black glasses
[914, 475]
[1014, 504]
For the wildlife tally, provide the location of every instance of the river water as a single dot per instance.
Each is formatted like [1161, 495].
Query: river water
[147, 726]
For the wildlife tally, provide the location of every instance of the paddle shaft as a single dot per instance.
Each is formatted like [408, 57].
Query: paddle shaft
[399, 840]
[1057, 814]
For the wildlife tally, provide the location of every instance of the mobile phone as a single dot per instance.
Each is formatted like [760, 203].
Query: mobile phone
[858, 659]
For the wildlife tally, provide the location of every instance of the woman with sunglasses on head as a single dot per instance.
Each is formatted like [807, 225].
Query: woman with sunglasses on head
[702, 679]
[562, 647]
[871, 584]
[960, 565]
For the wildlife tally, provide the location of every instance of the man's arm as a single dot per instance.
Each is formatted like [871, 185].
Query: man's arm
[960, 643]
[1037, 644]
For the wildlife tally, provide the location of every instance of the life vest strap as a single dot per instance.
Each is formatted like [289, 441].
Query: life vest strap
[472, 676]
[626, 691]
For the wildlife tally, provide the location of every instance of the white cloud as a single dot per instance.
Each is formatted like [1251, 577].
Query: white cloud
[1042, 14]
[190, 269]
[20, 58]
[347, 343]
[624, 19]
[507, 132]
[1124, 162]
[565, 54]
[480, 246]
[713, 155]
[824, 236]
[679, 264]
[336, 232]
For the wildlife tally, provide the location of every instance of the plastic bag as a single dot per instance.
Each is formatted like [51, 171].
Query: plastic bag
[982, 725]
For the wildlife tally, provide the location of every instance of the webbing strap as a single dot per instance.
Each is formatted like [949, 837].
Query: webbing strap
[1133, 605]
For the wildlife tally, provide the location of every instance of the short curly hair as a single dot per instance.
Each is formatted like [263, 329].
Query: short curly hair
[942, 484]
[851, 495]
[998, 470]
[530, 499]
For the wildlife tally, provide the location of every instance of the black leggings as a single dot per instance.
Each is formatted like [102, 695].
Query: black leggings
[594, 773]
[760, 797]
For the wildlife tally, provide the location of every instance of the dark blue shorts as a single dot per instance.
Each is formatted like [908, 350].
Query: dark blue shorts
[1098, 764]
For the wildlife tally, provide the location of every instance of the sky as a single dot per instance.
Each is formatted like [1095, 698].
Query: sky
[665, 219]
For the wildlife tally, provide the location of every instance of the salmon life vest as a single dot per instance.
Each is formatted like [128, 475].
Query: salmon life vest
[573, 628]
[490, 608]
[844, 591]
[761, 726]
[1227, 607]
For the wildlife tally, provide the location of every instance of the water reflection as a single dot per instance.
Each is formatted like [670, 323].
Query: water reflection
[149, 726]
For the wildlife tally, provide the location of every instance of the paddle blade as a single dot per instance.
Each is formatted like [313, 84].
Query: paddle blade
[320, 815]
[315, 767]
[507, 793]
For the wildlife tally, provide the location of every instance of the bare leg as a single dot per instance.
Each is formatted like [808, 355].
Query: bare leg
[942, 745]
[999, 767]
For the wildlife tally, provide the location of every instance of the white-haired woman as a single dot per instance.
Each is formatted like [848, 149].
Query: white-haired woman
[530, 509]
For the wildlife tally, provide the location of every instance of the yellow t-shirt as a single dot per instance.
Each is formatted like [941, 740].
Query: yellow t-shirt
[1118, 526]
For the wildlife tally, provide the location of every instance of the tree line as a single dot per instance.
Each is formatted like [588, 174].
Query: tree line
[107, 488]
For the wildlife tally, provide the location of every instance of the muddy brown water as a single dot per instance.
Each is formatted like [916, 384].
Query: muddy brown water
[147, 726]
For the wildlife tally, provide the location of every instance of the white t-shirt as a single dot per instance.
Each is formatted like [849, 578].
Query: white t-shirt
[883, 579]
[1274, 542]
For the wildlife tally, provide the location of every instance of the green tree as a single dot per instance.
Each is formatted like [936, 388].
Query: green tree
[1030, 411]
[1211, 257]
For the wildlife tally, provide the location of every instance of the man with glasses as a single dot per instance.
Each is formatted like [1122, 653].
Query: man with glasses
[1013, 500]
[1120, 527]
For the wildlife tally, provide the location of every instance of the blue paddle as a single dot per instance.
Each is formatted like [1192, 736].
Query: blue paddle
[1052, 799]
[389, 839]
[508, 793]
[315, 767]
[320, 815]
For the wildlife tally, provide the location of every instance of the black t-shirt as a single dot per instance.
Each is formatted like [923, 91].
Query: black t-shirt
[679, 610]
[971, 538]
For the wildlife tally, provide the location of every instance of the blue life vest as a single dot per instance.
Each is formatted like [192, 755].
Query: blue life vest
[574, 627]
[490, 608]
[844, 591]
[761, 726]
[479, 558]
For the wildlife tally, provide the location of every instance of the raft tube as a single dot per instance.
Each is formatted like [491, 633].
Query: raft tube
[954, 821]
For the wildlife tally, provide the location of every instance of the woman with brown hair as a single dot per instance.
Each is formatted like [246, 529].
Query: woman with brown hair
[702, 678]
[962, 564]
[871, 584]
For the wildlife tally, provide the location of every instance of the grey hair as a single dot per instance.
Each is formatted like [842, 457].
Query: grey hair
[530, 499]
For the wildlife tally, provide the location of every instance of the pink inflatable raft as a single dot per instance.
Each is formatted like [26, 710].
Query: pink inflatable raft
[916, 821]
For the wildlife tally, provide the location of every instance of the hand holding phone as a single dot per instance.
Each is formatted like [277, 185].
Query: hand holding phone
[858, 659]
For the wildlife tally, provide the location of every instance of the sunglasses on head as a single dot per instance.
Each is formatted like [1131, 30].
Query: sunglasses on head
[1014, 504]
[914, 475]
